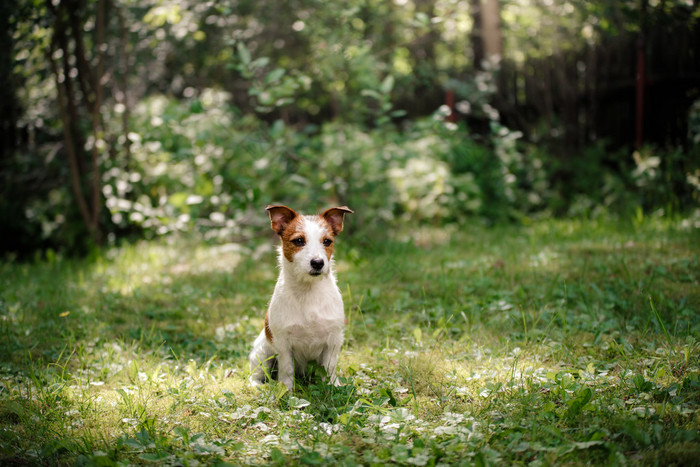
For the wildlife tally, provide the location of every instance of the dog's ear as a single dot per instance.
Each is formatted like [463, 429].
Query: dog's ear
[280, 217]
[334, 217]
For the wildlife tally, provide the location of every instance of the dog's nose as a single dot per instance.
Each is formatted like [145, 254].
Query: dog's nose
[317, 264]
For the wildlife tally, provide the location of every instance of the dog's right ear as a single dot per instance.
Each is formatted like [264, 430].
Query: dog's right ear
[280, 217]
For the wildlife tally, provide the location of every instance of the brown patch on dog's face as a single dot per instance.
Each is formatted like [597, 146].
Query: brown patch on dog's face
[293, 238]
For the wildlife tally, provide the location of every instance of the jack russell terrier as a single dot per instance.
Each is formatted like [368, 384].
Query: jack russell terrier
[305, 318]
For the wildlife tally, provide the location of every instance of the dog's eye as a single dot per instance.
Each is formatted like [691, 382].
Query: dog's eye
[299, 241]
[327, 242]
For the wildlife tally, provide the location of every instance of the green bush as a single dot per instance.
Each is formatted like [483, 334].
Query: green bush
[665, 179]
[199, 165]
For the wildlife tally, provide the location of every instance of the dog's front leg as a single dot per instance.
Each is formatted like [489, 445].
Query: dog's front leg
[285, 368]
[329, 361]
[260, 358]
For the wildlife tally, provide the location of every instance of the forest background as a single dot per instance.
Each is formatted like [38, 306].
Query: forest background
[126, 119]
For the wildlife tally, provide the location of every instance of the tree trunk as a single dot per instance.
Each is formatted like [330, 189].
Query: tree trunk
[491, 26]
[486, 37]
[640, 83]
[123, 91]
[76, 66]
[477, 39]
[69, 137]
[9, 105]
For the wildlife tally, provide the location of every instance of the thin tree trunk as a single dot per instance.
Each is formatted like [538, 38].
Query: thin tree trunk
[86, 181]
[60, 43]
[477, 38]
[486, 37]
[85, 77]
[640, 80]
[491, 24]
[123, 84]
[97, 127]
[68, 137]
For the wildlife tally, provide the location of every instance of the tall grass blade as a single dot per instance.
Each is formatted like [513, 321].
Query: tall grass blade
[661, 323]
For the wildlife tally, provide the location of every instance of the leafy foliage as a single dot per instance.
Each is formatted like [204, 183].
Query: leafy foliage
[210, 110]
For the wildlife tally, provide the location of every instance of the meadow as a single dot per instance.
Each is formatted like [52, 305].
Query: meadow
[557, 342]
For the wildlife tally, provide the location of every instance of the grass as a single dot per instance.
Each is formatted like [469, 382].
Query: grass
[560, 342]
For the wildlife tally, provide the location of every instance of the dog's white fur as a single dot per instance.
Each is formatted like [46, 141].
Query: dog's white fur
[305, 317]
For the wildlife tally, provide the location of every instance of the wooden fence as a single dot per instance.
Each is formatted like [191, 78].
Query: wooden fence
[589, 94]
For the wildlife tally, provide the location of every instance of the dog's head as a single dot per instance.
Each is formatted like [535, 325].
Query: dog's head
[307, 241]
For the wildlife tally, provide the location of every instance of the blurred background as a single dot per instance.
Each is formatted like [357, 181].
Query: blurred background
[125, 119]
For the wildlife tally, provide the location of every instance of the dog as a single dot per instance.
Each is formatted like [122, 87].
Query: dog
[305, 318]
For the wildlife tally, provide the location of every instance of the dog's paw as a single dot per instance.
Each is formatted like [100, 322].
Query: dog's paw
[333, 380]
[289, 383]
[254, 382]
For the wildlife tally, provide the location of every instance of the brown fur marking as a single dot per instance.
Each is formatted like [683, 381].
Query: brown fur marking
[268, 332]
[293, 230]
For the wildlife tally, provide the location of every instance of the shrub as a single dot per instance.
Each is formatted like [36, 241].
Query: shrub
[199, 165]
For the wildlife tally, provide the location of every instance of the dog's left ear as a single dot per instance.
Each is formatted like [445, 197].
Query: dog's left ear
[334, 217]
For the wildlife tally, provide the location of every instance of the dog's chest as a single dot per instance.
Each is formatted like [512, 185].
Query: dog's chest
[309, 341]
[307, 319]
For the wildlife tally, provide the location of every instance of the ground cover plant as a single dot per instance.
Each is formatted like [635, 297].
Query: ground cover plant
[556, 342]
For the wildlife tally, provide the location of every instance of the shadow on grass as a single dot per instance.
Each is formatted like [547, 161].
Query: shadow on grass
[172, 304]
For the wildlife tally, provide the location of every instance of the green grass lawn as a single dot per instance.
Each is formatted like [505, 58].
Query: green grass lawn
[561, 342]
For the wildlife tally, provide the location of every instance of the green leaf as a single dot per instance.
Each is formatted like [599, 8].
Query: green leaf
[549, 407]
[642, 384]
[154, 456]
[243, 53]
[588, 444]
[371, 93]
[298, 403]
[387, 85]
[576, 405]
[387, 392]
[275, 75]
[585, 396]
[277, 456]
[260, 62]
[311, 458]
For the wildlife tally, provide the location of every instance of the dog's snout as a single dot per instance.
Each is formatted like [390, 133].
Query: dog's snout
[317, 264]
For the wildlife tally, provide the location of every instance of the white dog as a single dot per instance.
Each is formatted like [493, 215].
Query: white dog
[305, 319]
